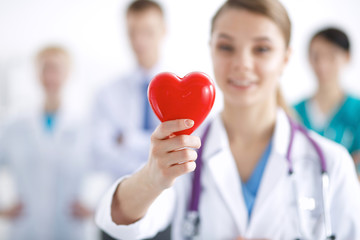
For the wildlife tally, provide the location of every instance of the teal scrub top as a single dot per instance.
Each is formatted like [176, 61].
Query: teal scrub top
[343, 127]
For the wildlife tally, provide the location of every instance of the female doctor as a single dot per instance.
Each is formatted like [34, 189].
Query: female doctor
[332, 112]
[262, 176]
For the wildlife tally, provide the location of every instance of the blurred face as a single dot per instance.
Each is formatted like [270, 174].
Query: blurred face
[146, 31]
[327, 60]
[53, 71]
[249, 54]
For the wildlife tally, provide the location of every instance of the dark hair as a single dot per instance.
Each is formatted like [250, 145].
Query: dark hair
[334, 36]
[272, 9]
[143, 5]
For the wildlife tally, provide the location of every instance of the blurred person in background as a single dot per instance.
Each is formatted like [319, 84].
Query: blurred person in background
[123, 119]
[332, 112]
[45, 151]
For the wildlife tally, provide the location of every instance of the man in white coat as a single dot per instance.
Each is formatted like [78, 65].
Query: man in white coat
[123, 120]
[45, 150]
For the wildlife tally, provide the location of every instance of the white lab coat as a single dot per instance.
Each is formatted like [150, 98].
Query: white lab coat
[48, 169]
[223, 214]
[119, 110]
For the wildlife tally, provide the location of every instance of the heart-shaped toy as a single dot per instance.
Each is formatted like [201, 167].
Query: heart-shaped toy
[190, 97]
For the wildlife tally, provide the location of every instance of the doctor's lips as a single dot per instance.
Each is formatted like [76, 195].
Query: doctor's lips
[241, 83]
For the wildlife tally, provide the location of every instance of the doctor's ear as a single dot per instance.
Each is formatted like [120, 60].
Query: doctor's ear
[164, 28]
[288, 53]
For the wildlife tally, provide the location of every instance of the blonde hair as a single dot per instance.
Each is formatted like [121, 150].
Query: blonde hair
[53, 50]
[271, 9]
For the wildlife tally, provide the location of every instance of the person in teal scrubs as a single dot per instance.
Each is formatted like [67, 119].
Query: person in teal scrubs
[332, 112]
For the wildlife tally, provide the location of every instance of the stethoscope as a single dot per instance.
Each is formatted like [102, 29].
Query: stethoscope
[192, 219]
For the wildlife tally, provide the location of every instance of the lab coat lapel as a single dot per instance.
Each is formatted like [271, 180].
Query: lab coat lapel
[224, 173]
[271, 195]
[269, 204]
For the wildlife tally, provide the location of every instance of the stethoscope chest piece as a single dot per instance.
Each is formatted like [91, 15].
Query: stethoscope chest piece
[191, 225]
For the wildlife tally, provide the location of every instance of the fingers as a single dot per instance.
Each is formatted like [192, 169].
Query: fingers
[170, 155]
[180, 142]
[180, 169]
[165, 129]
[178, 157]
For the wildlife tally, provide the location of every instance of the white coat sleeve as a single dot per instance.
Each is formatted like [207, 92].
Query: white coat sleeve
[344, 197]
[157, 218]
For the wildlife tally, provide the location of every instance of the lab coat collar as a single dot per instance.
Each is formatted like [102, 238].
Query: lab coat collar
[274, 180]
[218, 140]
[217, 155]
[281, 138]
[63, 117]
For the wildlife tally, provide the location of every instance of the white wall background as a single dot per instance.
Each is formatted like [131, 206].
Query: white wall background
[93, 30]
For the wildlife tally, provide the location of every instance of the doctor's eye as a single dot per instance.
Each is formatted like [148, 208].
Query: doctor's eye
[262, 49]
[225, 48]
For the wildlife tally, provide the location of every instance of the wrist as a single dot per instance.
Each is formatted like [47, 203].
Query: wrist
[149, 181]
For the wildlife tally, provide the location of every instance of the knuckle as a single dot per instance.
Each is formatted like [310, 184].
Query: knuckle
[153, 137]
[186, 154]
[189, 154]
[182, 140]
[198, 141]
[195, 154]
[188, 167]
[161, 128]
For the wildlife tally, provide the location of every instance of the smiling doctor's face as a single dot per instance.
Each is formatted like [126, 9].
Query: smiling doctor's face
[249, 53]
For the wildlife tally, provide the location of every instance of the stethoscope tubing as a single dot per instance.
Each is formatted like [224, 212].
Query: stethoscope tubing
[193, 209]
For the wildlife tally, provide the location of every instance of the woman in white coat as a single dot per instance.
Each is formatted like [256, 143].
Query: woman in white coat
[262, 175]
[45, 150]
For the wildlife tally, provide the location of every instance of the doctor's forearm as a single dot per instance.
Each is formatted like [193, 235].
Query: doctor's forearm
[170, 157]
[132, 199]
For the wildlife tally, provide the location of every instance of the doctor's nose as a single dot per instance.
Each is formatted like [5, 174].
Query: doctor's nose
[242, 61]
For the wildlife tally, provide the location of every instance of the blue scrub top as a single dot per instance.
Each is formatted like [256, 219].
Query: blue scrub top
[251, 186]
[343, 127]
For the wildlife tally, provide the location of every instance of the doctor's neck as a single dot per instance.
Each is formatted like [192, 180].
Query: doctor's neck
[250, 122]
[52, 104]
[148, 62]
[329, 95]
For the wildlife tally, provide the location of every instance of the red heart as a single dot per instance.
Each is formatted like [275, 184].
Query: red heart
[190, 97]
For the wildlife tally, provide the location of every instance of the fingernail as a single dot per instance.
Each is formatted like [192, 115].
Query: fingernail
[189, 123]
